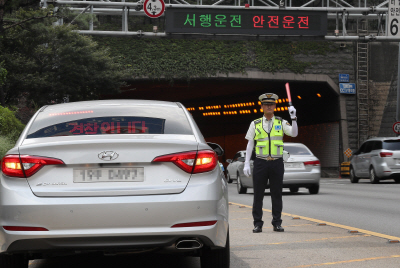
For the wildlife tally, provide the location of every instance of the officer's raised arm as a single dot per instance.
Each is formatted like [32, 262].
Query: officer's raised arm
[291, 130]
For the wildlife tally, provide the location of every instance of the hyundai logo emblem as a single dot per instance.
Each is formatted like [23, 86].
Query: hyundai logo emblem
[108, 155]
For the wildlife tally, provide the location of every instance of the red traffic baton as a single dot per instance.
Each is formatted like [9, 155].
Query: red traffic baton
[288, 94]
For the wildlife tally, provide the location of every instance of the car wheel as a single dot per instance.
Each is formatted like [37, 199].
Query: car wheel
[13, 261]
[314, 189]
[240, 188]
[372, 176]
[228, 178]
[217, 258]
[397, 180]
[294, 189]
[353, 177]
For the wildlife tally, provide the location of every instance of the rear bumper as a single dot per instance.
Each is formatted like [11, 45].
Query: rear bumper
[113, 222]
[303, 179]
[114, 244]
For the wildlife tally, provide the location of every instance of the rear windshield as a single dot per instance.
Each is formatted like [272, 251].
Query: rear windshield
[297, 150]
[393, 145]
[110, 120]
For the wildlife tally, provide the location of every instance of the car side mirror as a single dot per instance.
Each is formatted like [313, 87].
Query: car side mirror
[229, 161]
[217, 149]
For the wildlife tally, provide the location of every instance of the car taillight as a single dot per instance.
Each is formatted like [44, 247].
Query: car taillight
[191, 162]
[385, 154]
[312, 163]
[25, 166]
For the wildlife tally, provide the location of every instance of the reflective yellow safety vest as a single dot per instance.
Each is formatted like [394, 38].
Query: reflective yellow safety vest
[269, 144]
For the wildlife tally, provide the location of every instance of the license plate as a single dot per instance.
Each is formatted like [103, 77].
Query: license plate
[294, 165]
[109, 175]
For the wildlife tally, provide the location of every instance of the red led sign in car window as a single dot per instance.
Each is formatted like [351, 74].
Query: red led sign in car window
[245, 21]
[108, 128]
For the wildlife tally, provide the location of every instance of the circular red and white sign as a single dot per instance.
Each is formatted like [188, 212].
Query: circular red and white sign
[396, 127]
[154, 8]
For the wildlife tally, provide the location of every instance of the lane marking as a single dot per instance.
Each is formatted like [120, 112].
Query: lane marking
[389, 237]
[302, 241]
[349, 261]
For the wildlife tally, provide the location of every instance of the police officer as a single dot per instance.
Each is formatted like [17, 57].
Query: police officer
[267, 132]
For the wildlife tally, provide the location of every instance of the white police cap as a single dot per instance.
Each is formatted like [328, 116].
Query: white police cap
[268, 97]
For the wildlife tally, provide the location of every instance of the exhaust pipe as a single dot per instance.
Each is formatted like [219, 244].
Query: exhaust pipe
[189, 244]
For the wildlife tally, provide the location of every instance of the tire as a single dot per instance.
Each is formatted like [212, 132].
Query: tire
[314, 189]
[353, 177]
[228, 177]
[397, 180]
[240, 188]
[294, 189]
[13, 261]
[217, 258]
[372, 176]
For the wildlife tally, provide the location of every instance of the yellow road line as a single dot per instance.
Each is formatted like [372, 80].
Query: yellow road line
[332, 224]
[349, 261]
[301, 241]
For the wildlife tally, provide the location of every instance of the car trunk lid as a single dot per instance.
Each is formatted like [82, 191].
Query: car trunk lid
[118, 165]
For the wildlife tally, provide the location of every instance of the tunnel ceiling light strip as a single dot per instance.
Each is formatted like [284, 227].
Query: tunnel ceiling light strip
[241, 112]
[319, 95]
[299, 97]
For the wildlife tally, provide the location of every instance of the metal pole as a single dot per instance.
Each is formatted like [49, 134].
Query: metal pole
[398, 87]
[91, 19]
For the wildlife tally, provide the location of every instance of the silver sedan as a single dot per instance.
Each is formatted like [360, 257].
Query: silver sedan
[302, 169]
[113, 176]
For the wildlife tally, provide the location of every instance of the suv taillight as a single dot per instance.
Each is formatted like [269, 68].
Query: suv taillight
[24, 166]
[312, 163]
[385, 154]
[191, 162]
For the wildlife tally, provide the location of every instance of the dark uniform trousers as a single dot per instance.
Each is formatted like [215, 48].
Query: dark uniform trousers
[263, 172]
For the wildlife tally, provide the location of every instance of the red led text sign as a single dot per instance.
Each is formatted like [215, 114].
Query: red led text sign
[246, 21]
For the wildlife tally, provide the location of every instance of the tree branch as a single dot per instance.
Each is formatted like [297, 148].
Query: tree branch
[32, 18]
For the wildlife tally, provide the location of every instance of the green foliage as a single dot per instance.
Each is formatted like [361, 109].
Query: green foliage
[3, 74]
[52, 62]
[170, 59]
[10, 126]
[6, 143]
[275, 56]
[188, 59]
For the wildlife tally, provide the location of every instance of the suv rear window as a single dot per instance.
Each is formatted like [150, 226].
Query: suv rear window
[110, 120]
[297, 150]
[393, 145]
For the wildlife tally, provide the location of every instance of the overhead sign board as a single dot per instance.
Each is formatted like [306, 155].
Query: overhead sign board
[344, 78]
[245, 21]
[154, 8]
[347, 88]
[394, 18]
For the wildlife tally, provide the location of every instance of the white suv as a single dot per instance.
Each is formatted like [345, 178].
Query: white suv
[377, 159]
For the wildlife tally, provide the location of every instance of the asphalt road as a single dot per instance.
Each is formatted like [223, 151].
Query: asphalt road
[373, 207]
[303, 244]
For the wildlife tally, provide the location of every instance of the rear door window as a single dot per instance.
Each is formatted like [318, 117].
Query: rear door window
[64, 121]
[392, 145]
[368, 147]
[377, 145]
[297, 150]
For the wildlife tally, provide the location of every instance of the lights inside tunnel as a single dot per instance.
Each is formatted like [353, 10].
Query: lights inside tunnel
[238, 105]
[319, 95]
[299, 97]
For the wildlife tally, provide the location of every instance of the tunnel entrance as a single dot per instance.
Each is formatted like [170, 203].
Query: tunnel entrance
[223, 108]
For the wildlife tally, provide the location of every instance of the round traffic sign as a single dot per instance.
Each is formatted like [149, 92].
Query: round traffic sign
[154, 8]
[396, 127]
